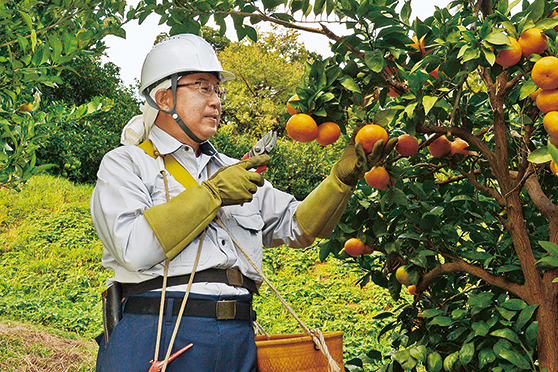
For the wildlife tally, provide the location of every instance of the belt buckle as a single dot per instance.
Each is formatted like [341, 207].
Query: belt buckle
[226, 310]
[234, 276]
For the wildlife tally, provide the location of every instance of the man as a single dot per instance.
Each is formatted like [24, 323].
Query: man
[150, 222]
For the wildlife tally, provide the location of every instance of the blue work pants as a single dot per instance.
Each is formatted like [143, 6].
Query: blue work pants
[219, 345]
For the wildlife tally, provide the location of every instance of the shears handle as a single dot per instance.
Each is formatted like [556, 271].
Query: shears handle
[260, 169]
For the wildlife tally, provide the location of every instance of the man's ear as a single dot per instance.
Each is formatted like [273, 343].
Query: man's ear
[163, 98]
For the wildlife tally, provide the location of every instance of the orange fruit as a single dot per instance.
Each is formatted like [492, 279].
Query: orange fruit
[377, 177]
[440, 147]
[369, 134]
[459, 147]
[554, 167]
[407, 145]
[545, 73]
[550, 122]
[290, 108]
[532, 41]
[535, 94]
[509, 57]
[547, 100]
[302, 128]
[368, 250]
[412, 289]
[328, 133]
[402, 276]
[354, 247]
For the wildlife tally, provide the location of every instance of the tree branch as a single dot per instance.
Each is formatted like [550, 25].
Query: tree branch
[461, 266]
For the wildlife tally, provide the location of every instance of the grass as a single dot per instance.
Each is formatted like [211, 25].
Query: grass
[52, 278]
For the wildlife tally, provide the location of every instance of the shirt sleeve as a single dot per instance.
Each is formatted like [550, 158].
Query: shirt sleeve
[117, 204]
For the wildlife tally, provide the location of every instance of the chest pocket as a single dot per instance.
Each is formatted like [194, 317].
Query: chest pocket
[245, 224]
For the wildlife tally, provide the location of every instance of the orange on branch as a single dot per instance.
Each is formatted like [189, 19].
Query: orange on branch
[412, 289]
[550, 122]
[547, 100]
[535, 94]
[377, 177]
[354, 247]
[290, 108]
[328, 133]
[554, 167]
[532, 41]
[407, 145]
[509, 57]
[545, 73]
[369, 134]
[402, 276]
[302, 128]
[440, 147]
[459, 146]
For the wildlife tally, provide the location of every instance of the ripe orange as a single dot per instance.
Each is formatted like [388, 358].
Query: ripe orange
[369, 134]
[407, 145]
[547, 100]
[302, 128]
[554, 167]
[402, 276]
[459, 147]
[545, 73]
[509, 57]
[440, 147]
[532, 41]
[354, 247]
[290, 108]
[412, 289]
[377, 177]
[550, 122]
[328, 133]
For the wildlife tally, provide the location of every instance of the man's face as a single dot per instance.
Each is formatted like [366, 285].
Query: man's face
[200, 112]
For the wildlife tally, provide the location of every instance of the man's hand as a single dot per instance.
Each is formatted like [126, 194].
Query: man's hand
[236, 184]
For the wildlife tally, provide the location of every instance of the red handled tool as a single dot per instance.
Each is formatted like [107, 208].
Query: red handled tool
[157, 365]
[263, 146]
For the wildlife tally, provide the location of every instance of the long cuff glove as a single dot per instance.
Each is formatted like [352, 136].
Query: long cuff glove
[319, 212]
[177, 222]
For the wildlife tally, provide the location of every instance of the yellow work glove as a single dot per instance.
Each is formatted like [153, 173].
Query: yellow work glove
[177, 222]
[236, 184]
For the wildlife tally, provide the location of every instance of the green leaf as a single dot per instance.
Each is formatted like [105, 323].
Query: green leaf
[467, 353]
[319, 7]
[539, 156]
[506, 333]
[375, 60]
[428, 102]
[497, 38]
[404, 358]
[443, 321]
[406, 11]
[515, 358]
[525, 316]
[350, 84]
[450, 361]
[397, 196]
[486, 356]
[548, 262]
[531, 334]
[514, 304]
[551, 248]
[434, 362]
[481, 328]
[526, 89]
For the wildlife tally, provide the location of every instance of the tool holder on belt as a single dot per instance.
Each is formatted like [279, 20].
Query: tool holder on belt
[316, 335]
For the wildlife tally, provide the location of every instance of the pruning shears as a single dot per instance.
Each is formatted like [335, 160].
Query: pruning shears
[263, 146]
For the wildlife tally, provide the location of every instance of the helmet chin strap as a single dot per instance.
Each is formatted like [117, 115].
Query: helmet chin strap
[172, 111]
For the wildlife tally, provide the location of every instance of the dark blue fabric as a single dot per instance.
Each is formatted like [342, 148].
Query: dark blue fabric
[219, 346]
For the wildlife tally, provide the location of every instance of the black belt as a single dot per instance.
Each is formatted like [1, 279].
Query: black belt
[230, 276]
[220, 310]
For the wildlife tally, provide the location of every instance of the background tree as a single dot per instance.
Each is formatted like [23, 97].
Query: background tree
[475, 232]
[37, 41]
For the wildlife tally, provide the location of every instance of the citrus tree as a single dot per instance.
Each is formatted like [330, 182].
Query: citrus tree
[37, 41]
[462, 210]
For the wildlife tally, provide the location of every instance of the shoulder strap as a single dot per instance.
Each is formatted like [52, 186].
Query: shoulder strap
[171, 165]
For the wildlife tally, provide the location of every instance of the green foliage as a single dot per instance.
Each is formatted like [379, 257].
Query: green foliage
[76, 147]
[38, 40]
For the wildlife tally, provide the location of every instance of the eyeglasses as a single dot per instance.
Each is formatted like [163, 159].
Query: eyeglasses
[206, 88]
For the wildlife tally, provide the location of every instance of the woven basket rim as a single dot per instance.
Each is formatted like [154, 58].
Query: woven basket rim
[293, 338]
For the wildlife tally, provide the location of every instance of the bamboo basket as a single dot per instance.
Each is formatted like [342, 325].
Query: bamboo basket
[297, 352]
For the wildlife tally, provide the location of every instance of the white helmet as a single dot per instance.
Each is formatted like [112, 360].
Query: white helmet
[177, 54]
